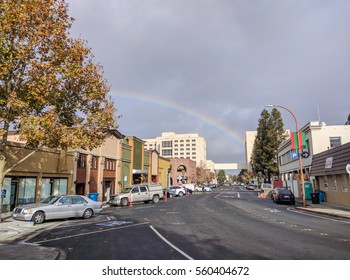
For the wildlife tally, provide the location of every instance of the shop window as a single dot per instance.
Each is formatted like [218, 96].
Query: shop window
[53, 186]
[26, 190]
[345, 183]
[334, 183]
[60, 186]
[325, 183]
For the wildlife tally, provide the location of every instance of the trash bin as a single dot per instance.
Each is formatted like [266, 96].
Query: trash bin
[315, 197]
[322, 195]
[93, 196]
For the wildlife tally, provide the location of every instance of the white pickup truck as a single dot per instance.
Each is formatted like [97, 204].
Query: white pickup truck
[137, 193]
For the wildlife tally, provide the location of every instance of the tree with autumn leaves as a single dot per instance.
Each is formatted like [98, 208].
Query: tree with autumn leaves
[51, 90]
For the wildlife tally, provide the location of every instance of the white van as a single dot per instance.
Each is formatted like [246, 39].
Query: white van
[189, 186]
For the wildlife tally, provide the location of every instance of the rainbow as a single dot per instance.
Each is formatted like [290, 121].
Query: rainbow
[174, 106]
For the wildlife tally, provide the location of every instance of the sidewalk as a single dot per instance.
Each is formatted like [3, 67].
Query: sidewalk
[13, 233]
[325, 208]
[14, 247]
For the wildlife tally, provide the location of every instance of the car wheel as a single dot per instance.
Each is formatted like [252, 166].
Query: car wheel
[88, 213]
[155, 199]
[181, 194]
[38, 218]
[171, 195]
[124, 202]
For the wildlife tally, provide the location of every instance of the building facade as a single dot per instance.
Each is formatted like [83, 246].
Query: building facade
[186, 146]
[183, 171]
[99, 170]
[332, 174]
[319, 138]
[46, 172]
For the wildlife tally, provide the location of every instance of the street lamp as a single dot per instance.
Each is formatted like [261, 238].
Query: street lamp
[299, 150]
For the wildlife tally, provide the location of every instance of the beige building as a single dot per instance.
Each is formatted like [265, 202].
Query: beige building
[46, 172]
[319, 138]
[186, 146]
[249, 144]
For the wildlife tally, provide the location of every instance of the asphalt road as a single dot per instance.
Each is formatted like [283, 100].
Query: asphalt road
[229, 223]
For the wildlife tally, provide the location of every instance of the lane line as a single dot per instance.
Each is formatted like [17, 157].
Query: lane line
[170, 244]
[89, 233]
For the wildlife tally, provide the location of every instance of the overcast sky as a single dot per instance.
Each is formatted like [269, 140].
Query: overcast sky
[210, 66]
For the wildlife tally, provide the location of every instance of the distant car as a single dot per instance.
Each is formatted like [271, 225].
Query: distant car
[267, 186]
[188, 191]
[251, 187]
[283, 195]
[178, 190]
[169, 193]
[58, 207]
[203, 188]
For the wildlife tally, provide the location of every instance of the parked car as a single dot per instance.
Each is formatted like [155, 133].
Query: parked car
[266, 186]
[188, 191]
[178, 190]
[169, 193]
[138, 193]
[58, 207]
[203, 188]
[283, 195]
[251, 187]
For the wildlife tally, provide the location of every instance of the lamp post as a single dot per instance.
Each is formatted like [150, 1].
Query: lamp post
[299, 151]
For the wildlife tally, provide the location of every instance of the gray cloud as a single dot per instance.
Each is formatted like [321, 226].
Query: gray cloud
[221, 59]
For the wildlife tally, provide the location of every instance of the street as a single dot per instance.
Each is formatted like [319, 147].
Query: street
[228, 223]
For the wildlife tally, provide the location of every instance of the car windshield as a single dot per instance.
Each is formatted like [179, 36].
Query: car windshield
[284, 192]
[126, 190]
[51, 200]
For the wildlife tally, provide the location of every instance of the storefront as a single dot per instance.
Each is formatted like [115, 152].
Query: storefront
[46, 172]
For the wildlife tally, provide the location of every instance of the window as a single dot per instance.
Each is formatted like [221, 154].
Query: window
[60, 186]
[166, 144]
[334, 184]
[64, 200]
[94, 162]
[109, 164]
[26, 190]
[167, 152]
[334, 142]
[143, 189]
[325, 183]
[78, 200]
[81, 161]
[345, 183]
[53, 186]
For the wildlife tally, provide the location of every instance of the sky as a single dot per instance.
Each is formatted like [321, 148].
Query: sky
[211, 66]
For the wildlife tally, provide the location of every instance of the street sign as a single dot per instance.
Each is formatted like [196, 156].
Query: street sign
[305, 154]
[3, 193]
[294, 155]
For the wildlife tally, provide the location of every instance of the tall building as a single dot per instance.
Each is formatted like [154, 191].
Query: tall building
[172, 145]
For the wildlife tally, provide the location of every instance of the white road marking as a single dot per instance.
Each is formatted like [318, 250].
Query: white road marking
[170, 244]
[89, 233]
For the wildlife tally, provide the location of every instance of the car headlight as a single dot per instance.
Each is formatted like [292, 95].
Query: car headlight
[27, 211]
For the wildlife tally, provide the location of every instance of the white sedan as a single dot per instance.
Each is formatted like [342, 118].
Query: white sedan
[58, 207]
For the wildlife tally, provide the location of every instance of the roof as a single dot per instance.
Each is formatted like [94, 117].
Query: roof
[331, 162]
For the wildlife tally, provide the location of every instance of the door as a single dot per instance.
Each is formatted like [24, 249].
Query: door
[136, 195]
[13, 195]
[144, 193]
[106, 190]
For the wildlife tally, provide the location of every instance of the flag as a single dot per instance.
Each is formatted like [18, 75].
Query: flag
[298, 140]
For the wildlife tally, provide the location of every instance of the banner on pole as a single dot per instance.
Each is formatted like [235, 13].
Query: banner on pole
[298, 140]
